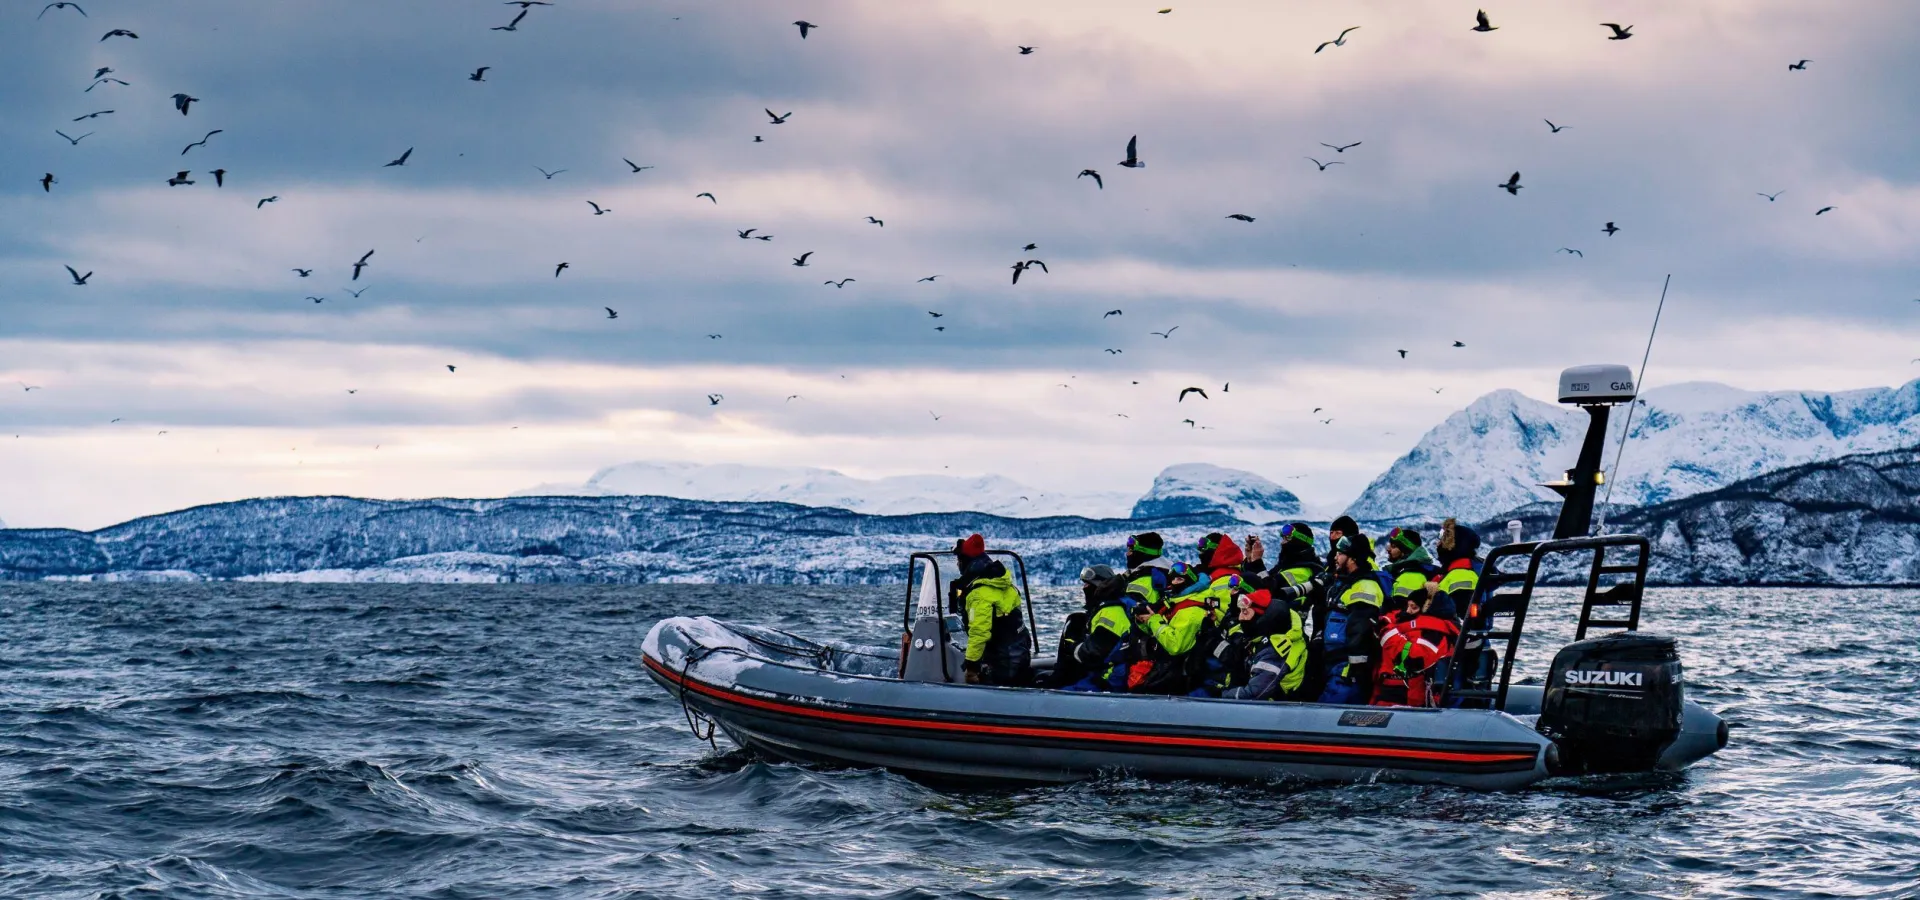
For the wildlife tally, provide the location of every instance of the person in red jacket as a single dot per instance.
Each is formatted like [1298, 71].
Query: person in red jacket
[1415, 647]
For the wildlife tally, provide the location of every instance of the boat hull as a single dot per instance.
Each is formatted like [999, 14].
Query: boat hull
[795, 709]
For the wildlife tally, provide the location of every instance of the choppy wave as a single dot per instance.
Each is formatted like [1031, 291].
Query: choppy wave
[293, 741]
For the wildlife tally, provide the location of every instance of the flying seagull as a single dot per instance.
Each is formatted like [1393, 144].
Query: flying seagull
[266, 200]
[1089, 173]
[47, 182]
[356, 294]
[219, 178]
[801, 260]
[936, 416]
[804, 26]
[1513, 185]
[747, 233]
[1323, 165]
[1192, 390]
[1619, 33]
[1167, 333]
[1481, 18]
[513, 25]
[1340, 41]
[523, 4]
[706, 195]
[479, 74]
[1824, 210]
[1459, 343]
[876, 222]
[120, 32]
[303, 273]
[1112, 312]
[1339, 148]
[95, 115]
[1133, 160]
[1031, 247]
[597, 210]
[75, 141]
[101, 81]
[102, 71]
[1771, 197]
[315, 299]
[1572, 251]
[839, 284]
[78, 278]
[547, 173]
[1026, 51]
[179, 178]
[1403, 354]
[63, 4]
[637, 168]
[560, 268]
[1610, 229]
[449, 368]
[1800, 66]
[928, 278]
[1241, 216]
[201, 142]
[1113, 351]
[401, 161]
[935, 314]
[1189, 422]
[714, 399]
[182, 102]
[779, 119]
[610, 313]
[361, 265]
[1024, 265]
[1556, 128]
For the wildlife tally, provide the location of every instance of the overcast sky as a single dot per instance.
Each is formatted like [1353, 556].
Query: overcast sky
[925, 116]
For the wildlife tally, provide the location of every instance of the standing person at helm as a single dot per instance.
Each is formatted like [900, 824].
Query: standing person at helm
[1409, 567]
[999, 650]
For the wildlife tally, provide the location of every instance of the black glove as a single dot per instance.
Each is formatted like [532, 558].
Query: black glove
[975, 671]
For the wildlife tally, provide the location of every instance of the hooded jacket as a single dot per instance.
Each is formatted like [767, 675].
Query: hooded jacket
[996, 632]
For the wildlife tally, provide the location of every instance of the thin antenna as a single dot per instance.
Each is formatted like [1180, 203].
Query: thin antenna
[1640, 382]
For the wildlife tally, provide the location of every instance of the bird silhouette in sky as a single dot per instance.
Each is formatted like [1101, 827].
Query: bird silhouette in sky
[315, 299]
[201, 142]
[1340, 41]
[1572, 251]
[1241, 216]
[1823, 210]
[875, 221]
[1089, 173]
[513, 25]
[1112, 312]
[928, 278]
[219, 177]
[47, 182]
[714, 399]
[449, 368]
[120, 32]
[94, 115]
[78, 279]
[597, 210]
[1167, 334]
[523, 4]
[361, 265]
[1112, 352]
[805, 26]
[1481, 23]
[838, 284]
[935, 314]
[1341, 148]
[1459, 343]
[1770, 197]
[801, 260]
[100, 81]
[401, 160]
[75, 141]
[1024, 265]
[1403, 354]
[266, 200]
[1513, 185]
[747, 233]
[479, 74]
[1619, 33]
[610, 313]
[779, 119]
[1323, 165]
[1192, 390]
[1800, 66]
[706, 195]
[1026, 51]
[1133, 160]
[1031, 247]
[639, 168]
[547, 173]
[179, 178]
[561, 268]
[63, 4]
[182, 102]
[303, 273]
[1556, 129]
[356, 294]
[1610, 229]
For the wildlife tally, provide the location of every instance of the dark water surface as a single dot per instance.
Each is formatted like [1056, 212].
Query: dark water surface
[501, 741]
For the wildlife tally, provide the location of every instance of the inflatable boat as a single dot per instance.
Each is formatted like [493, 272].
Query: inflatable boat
[1613, 702]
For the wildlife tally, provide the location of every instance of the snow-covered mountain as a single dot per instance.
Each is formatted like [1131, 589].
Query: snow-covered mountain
[1178, 490]
[1198, 488]
[1687, 438]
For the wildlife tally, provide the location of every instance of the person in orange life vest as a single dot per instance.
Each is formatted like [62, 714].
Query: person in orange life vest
[1416, 647]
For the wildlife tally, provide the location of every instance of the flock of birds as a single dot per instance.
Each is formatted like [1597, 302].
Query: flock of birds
[184, 104]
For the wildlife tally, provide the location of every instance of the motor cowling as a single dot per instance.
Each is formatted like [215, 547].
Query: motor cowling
[1614, 703]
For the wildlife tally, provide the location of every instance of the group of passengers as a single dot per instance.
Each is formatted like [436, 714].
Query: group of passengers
[1343, 628]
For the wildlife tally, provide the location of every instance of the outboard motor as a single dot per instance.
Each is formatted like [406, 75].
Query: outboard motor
[1613, 703]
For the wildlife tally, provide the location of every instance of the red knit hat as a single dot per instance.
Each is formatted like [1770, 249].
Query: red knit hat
[972, 545]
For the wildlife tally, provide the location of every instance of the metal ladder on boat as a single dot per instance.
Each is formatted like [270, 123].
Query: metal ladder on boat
[1499, 606]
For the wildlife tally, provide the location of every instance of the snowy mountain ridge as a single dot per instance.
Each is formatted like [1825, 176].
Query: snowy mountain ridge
[1686, 439]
